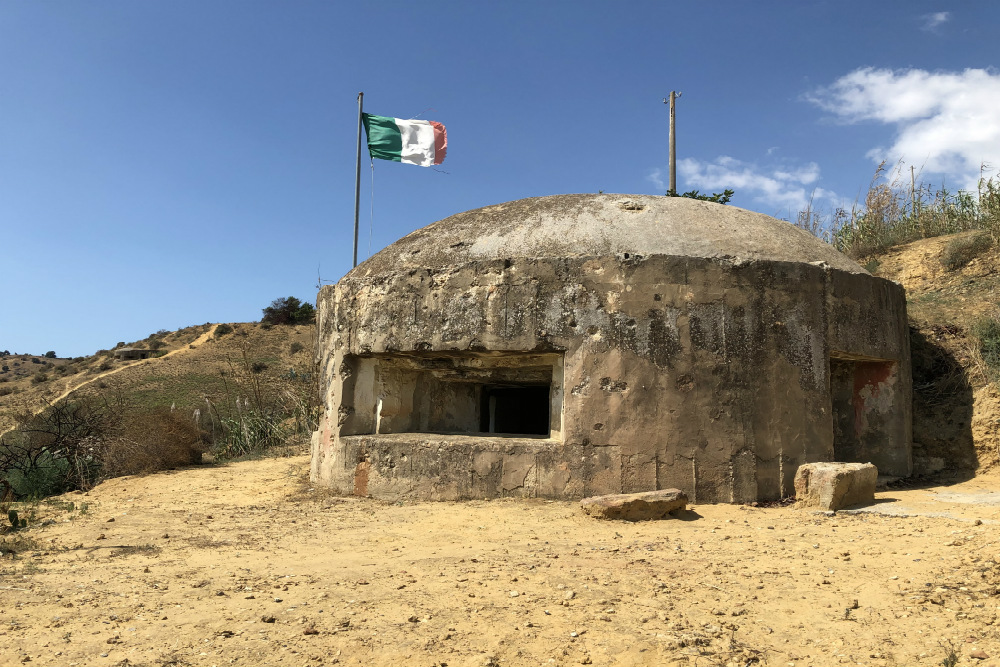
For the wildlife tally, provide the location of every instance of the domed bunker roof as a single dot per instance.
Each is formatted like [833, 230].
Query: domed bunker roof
[589, 225]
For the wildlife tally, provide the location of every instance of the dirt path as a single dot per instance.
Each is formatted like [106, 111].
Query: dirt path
[248, 565]
[198, 341]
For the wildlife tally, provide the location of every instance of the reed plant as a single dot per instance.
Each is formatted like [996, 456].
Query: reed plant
[899, 207]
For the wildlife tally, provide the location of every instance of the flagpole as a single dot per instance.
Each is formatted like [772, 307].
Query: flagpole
[357, 181]
[673, 143]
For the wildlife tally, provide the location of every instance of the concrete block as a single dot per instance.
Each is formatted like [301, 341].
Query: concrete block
[832, 486]
[635, 506]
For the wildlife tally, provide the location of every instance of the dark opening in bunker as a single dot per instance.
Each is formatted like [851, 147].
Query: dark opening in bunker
[860, 401]
[515, 409]
[473, 394]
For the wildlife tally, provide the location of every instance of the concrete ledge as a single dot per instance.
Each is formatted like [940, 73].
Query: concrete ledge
[432, 466]
[832, 486]
[635, 506]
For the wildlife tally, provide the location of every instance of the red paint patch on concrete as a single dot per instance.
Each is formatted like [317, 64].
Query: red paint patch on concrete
[871, 375]
[361, 478]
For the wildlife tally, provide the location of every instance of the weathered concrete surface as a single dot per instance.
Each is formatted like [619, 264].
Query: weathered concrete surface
[643, 506]
[832, 486]
[667, 343]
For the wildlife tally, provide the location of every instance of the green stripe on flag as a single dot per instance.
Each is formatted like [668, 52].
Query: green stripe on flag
[384, 140]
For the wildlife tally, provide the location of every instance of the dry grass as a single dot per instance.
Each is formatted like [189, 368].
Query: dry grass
[899, 208]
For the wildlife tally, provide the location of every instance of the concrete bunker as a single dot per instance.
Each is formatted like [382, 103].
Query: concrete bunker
[577, 345]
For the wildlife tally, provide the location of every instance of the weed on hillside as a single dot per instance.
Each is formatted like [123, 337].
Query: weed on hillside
[898, 209]
[987, 333]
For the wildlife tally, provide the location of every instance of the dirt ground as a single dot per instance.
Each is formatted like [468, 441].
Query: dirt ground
[247, 564]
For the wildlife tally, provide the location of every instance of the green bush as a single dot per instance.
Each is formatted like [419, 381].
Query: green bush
[48, 476]
[959, 252]
[296, 347]
[75, 444]
[248, 434]
[987, 333]
[289, 310]
[222, 330]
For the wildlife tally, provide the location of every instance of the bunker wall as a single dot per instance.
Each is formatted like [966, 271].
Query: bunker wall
[705, 375]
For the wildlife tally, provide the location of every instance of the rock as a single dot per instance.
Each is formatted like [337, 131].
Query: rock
[979, 655]
[831, 486]
[635, 506]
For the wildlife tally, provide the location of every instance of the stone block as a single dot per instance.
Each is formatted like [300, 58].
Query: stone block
[635, 506]
[832, 486]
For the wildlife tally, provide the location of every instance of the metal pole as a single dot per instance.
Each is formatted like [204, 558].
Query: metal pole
[673, 143]
[357, 182]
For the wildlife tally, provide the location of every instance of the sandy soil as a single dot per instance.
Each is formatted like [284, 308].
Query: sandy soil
[247, 564]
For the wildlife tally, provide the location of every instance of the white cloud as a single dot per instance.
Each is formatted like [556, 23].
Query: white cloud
[946, 122]
[784, 190]
[933, 20]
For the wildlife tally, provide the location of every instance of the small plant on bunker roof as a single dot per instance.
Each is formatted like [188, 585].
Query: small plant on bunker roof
[723, 197]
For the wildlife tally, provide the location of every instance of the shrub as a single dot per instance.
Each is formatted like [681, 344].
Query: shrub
[289, 310]
[959, 252]
[39, 377]
[897, 209]
[75, 444]
[723, 197]
[987, 334]
[50, 354]
[151, 441]
[296, 347]
[156, 344]
[54, 450]
[222, 330]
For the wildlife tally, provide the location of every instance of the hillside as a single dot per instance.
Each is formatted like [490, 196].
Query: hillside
[952, 283]
[194, 368]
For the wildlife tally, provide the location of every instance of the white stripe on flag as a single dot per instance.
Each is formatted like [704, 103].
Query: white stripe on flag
[418, 142]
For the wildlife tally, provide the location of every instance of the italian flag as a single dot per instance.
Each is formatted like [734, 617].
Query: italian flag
[420, 142]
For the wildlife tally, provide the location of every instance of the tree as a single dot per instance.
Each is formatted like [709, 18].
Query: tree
[50, 354]
[289, 310]
[718, 197]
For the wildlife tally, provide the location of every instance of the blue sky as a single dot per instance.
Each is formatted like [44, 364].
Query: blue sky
[164, 164]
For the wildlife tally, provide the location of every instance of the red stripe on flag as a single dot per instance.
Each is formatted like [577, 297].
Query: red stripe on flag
[440, 142]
